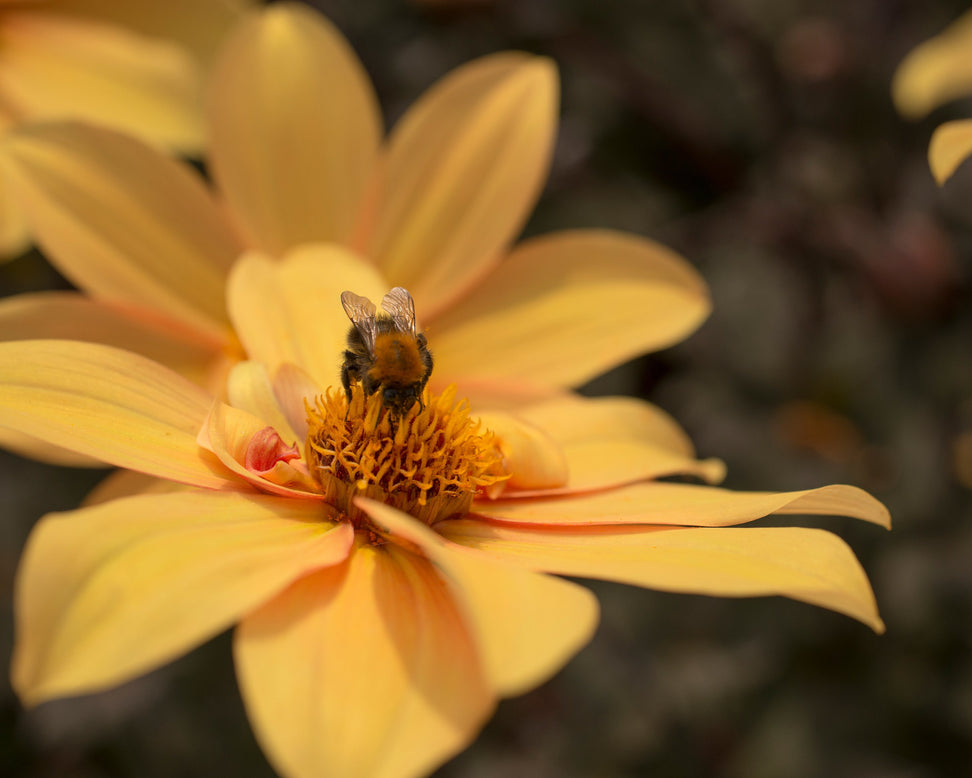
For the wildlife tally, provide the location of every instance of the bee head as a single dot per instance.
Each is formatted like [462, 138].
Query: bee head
[398, 399]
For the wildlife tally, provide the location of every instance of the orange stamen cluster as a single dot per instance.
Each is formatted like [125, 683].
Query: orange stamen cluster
[429, 463]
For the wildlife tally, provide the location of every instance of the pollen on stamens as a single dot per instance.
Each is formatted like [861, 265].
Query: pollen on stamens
[430, 463]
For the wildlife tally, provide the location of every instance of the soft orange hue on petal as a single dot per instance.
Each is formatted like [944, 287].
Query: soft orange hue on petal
[72, 316]
[464, 168]
[53, 66]
[129, 483]
[292, 386]
[42, 451]
[109, 404]
[249, 388]
[197, 24]
[295, 128]
[938, 70]
[526, 625]
[363, 669]
[568, 306]
[229, 432]
[14, 232]
[107, 593]
[533, 459]
[570, 418]
[290, 311]
[684, 504]
[125, 223]
[951, 145]
[809, 565]
[609, 441]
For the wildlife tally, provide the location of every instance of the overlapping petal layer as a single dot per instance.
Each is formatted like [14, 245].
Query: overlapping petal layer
[463, 169]
[809, 565]
[112, 405]
[683, 504]
[56, 66]
[290, 312]
[295, 128]
[526, 625]
[363, 669]
[564, 307]
[109, 592]
[125, 223]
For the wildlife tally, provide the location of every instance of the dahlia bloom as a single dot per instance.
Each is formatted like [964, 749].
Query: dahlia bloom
[302, 176]
[390, 579]
[134, 65]
[934, 73]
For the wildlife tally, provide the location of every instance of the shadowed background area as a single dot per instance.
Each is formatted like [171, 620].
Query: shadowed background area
[758, 138]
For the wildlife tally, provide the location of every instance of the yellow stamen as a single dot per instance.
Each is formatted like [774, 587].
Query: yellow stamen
[429, 463]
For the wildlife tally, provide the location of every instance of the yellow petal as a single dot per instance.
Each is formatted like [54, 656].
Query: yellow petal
[809, 565]
[41, 451]
[109, 404]
[125, 223]
[54, 66]
[128, 483]
[71, 316]
[608, 441]
[570, 418]
[295, 128]
[107, 593]
[364, 669]
[464, 168]
[290, 311]
[533, 459]
[935, 72]
[950, 146]
[14, 232]
[292, 386]
[526, 625]
[249, 389]
[684, 504]
[567, 306]
[197, 24]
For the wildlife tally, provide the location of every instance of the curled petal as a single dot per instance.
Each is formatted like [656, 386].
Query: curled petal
[809, 565]
[951, 145]
[363, 669]
[531, 457]
[464, 168]
[242, 441]
[106, 593]
[526, 625]
[565, 307]
[250, 389]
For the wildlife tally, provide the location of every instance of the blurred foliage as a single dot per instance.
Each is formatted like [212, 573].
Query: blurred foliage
[758, 138]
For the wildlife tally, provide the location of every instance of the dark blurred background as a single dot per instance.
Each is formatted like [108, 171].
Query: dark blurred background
[758, 138]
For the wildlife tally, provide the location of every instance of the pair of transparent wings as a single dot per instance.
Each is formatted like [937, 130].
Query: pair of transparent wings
[398, 304]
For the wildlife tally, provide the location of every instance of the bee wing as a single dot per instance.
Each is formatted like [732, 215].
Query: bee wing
[361, 311]
[398, 304]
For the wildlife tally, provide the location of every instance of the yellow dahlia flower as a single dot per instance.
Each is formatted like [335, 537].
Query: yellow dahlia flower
[937, 71]
[304, 184]
[391, 580]
[134, 65]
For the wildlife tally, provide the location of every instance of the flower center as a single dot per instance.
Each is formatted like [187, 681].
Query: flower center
[430, 462]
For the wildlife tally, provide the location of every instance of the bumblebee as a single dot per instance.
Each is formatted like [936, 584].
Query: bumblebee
[385, 352]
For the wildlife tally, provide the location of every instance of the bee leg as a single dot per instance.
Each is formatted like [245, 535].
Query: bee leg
[348, 373]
